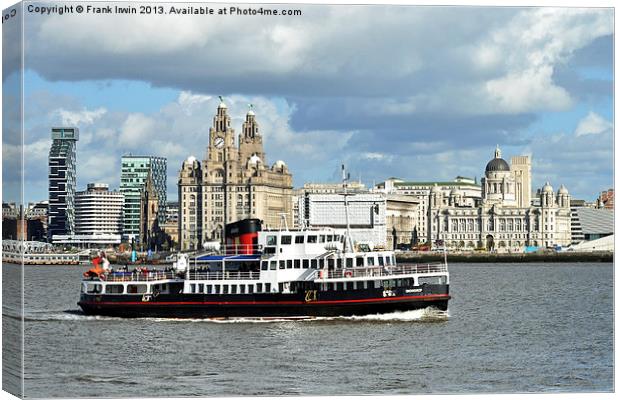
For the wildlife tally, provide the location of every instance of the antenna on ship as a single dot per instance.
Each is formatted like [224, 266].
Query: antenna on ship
[345, 179]
[283, 222]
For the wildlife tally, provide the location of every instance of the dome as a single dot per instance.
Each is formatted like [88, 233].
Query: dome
[279, 164]
[562, 190]
[497, 164]
[250, 112]
[191, 159]
[547, 188]
[222, 105]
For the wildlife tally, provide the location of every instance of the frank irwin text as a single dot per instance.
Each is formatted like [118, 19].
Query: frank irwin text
[155, 9]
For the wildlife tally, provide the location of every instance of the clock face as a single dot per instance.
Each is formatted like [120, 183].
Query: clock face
[219, 142]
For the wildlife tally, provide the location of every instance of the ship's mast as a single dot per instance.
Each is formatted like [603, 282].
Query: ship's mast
[345, 180]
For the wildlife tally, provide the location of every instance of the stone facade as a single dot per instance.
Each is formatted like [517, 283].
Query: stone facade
[500, 222]
[233, 182]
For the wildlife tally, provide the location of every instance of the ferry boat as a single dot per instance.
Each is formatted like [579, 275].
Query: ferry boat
[270, 274]
[286, 274]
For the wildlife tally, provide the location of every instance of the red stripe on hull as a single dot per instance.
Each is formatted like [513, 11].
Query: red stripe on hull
[430, 297]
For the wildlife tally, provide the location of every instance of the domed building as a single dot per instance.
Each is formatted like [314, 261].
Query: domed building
[504, 219]
[233, 182]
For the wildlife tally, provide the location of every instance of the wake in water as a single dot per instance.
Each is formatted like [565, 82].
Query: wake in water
[429, 314]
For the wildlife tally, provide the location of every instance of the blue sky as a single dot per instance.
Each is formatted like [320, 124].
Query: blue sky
[422, 93]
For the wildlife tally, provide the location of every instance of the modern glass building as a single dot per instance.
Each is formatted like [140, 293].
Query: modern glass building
[134, 172]
[62, 181]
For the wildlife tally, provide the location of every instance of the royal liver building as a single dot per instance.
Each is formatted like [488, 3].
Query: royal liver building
[505, 218]
[232, 183]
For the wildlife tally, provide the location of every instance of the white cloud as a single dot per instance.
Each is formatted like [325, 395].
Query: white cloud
[79, 118]
[592, 124]
[137, 130]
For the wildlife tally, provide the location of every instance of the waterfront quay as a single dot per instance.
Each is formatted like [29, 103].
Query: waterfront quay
[476, 257]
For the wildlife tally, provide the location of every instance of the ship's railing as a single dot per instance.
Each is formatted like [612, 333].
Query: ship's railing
[137, 276]
[226, 275]
[379, 271]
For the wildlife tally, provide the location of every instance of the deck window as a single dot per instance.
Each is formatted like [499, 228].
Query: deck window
[263, 265]
[306, 264]
[272, 265]
[272, 240]
[381, 261]
[233, 289]
[329, 286]
[349, 285]
[192, 288]
[136, 289]
[289, 264]
[330, 238]
[297, 264]
[250, 289]
[312, 239]
[372, 284]
[432, 280]
[209, 289]
[268, 287]
[313, 263]
[224, 289]
[282, 264]
[114, 289]
[339, 263]
[359, 261]
[201, 287]
[242, 289]
[93, 288]
[349, 263]
[321, 238]
[388, 261]
[217, 289]
[286, 239]
[259, 287]
[336, 238]
[321, 263]
[370, 261]
[299, 239]
[340, 286]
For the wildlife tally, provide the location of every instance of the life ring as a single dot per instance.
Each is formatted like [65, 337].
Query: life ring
[348, 274]
[321, 274]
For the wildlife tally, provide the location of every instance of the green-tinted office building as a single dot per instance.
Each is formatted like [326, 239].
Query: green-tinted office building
[134, 172]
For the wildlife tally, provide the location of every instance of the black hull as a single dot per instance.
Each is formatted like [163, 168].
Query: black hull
[263, 305]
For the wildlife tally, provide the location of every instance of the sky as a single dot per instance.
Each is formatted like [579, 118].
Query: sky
[419, 93]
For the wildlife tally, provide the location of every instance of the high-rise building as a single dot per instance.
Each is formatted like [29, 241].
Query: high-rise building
[98, 211]
[134, 172]
[234, 182]
[62, 181]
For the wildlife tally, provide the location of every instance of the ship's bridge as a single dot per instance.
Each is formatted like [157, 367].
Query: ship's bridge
[295, 243]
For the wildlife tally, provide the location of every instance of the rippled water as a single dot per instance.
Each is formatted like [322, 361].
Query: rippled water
[509, 328]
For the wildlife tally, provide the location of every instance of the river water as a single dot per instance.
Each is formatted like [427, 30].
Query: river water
[509, 328]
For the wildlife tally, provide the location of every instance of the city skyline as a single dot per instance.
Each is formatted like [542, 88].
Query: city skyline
[380, 97]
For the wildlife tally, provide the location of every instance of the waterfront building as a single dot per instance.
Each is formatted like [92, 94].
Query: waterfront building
[151, 235]
[62, 181]
[233, 182]
[398, 211]
[469, 190]
[134, 172]
[367, 214]
[606, 199]
[172, 211]
[299, 197]
[588, 223]
[99, 211]
[499, 222]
